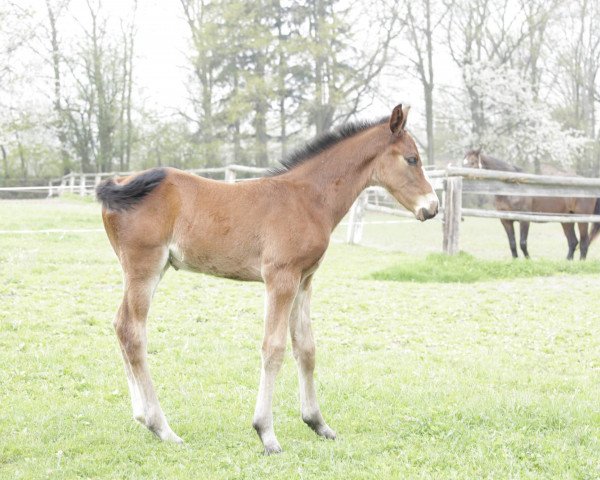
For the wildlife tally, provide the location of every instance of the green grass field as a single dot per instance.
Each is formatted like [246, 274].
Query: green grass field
[422, 375]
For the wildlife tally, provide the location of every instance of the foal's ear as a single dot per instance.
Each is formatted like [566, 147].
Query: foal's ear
[398, 119]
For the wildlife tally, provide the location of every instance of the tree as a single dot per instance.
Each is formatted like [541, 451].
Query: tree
[202, 18]
[520, 127]
[97, 108]
[578, 61]
[342, 72]
[54, 13]
[423, 19]
[483, 32]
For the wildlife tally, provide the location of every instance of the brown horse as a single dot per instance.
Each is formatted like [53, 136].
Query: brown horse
[558, 205]
[275, 230]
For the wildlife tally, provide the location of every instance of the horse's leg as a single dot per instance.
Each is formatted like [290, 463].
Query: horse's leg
[524, 230]
[510, 232]
[584, 240]
[569, 229]
[281, 289]
[141, 278]
[134, 391]
[303, 346]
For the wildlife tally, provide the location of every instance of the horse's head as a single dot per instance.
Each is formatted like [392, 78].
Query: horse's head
[473, 158]
[399, 170]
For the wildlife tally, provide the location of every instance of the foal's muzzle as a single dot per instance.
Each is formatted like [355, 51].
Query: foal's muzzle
[427, 207]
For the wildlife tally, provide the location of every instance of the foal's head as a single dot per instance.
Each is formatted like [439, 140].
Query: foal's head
[473, 158]
[399, 169]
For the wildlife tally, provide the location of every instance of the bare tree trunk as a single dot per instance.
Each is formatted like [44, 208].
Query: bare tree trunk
[158, 156]
[58, 109]
[121, 120]
[21, 156]
[194, 15]
[429, 85]
[5, 162]
[237, 140]
[129, 122]
[422, 58]
[105, 127]
[321, 107]
[260, 120]
[281, 90]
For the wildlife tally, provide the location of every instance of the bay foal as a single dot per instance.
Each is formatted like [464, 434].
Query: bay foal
[274, 229]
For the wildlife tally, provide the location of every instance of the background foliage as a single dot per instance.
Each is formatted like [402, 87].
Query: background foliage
[519, 77]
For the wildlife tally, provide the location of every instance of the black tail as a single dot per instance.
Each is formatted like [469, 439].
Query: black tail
[123, 197]
[596, 226]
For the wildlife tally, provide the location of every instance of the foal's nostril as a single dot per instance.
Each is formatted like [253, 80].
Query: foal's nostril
[424, 214]
[427, 213]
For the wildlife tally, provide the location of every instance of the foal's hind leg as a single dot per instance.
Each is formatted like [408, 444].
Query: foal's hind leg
[303, 346]
[584, 240]
[134, 391]
[524, 231]
[142, 275]
[510, 232]
[569, 229]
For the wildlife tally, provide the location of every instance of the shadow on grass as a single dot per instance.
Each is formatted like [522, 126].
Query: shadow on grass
[464, 268]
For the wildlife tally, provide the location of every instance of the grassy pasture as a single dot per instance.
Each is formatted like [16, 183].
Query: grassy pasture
[420, 375]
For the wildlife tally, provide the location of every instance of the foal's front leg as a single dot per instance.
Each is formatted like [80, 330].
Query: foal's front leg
[303, 345]
[281, 288]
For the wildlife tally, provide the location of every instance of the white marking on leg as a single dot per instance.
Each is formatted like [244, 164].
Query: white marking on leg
[281, 290]
[263, 413]
[134, 392]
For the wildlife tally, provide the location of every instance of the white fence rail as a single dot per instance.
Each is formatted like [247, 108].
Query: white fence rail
[85, 183]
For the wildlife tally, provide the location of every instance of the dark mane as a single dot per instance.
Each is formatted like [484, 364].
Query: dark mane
[322, 143]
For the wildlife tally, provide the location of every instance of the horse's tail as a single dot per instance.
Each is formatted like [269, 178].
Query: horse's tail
[119, 197]
[596, 226]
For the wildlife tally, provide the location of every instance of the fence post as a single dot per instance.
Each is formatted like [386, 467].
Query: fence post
[50, 189]
[61, 187]
[71, 182]
[452, 214]
[82, 185]
[230, 175]
[355, 220]
[97, 180]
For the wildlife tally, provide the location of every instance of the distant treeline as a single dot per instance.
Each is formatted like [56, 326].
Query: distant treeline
[265, 76]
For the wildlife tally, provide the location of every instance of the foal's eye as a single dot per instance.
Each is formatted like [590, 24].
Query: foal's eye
[411, 160]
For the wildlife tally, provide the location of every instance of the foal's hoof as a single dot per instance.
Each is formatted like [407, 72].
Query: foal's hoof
[319, 427]
[272, 448]
[325, 431]
[167, 435]
[172, 437]
[139, 417]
